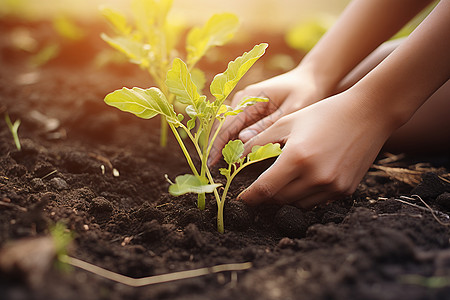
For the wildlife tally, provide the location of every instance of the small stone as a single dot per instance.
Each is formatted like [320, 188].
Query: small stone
[443, 200]
[37, 184]
[430, 187]
[59, 184]
[286, 243]
[101, 209]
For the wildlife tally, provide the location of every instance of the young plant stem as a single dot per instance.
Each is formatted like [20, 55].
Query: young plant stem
[13, 128]
[163, 129]
[183, 148]
[220, 223]
[221, 201]
[201, 197]
[163, 133]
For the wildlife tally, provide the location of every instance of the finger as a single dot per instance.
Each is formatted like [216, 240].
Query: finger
[233, 125]
[269, 183]
[251, 131]
[277, 133]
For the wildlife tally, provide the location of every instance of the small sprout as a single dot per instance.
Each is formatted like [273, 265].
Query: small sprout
[14, 127]
[102, 167]
[150, 41]
[115, 172]
[202, 115]
[62, 237]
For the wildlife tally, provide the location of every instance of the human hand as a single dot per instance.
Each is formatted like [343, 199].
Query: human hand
[287, 93]
[329, 146]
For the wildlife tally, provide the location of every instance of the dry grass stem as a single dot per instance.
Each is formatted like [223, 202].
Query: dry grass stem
[139, 282]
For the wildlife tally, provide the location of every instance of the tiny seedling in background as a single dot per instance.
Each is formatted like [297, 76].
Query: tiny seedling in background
[14, 127]
[62, 237]
[199, 128]
[151, 40]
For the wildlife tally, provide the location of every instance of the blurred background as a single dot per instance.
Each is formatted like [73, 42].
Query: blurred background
[289, 24]
[269, 14]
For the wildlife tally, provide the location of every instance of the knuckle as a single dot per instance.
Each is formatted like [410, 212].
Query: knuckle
[301, 157]
[264, 191]
[340, 185]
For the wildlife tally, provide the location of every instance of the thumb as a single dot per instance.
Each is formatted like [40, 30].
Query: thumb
[251, 131]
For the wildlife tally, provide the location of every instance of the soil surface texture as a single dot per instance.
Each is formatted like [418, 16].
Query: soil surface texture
[101, 173]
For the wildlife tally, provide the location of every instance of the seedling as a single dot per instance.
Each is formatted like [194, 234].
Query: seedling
[202, 113]
[14, 128]
[151, 40]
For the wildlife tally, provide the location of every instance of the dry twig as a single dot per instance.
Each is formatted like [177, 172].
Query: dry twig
[139, 282]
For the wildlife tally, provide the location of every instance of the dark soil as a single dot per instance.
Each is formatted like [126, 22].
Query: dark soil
[362, 247]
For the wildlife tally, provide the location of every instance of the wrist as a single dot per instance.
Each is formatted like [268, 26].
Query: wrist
[324, 82]
[381, 105]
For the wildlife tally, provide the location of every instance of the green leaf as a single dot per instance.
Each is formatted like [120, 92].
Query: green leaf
[246, 102]
[233, 151]
[224, 172]
[263, 152]
[199, 79]
[191, 184]
[218, 30]
[143, 103]
[180, 83]
[191, 123]
[134, 50]
[14, 128]
[117, 20]
[225, 82]
[66, 28]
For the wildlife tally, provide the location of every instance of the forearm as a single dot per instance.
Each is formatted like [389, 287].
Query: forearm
[412, 73]
[362, 27]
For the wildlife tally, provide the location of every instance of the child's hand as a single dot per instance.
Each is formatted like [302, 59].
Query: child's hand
[287, 93]
[329, 146]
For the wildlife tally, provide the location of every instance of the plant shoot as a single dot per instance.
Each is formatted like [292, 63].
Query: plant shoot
[150, 41]
[14, 128]
[202, 114]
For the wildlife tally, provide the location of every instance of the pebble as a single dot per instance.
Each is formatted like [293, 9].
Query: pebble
[37, 184]
[59, 184]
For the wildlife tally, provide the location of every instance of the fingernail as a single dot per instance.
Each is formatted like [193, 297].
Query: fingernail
[247, 134]
[239, 198]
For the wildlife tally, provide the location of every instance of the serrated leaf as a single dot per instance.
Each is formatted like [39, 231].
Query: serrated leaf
[191, 184]
[225, 82]
[134, 50]
[246, 102]
[233, 151]
[180, 83]
[143, 103]
[191, 123]
[223, 109]
[263, 152]
[218, 30]
[199, 79]
[117, 20]
[224, 172]
[150, 16]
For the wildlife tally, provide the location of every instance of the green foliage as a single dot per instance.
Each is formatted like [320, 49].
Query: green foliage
[189, 183]
[306, 34]
[62, 237]
[14, 128]
[150, 41]
[224, 83]
[202, 114]
[143, 103]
